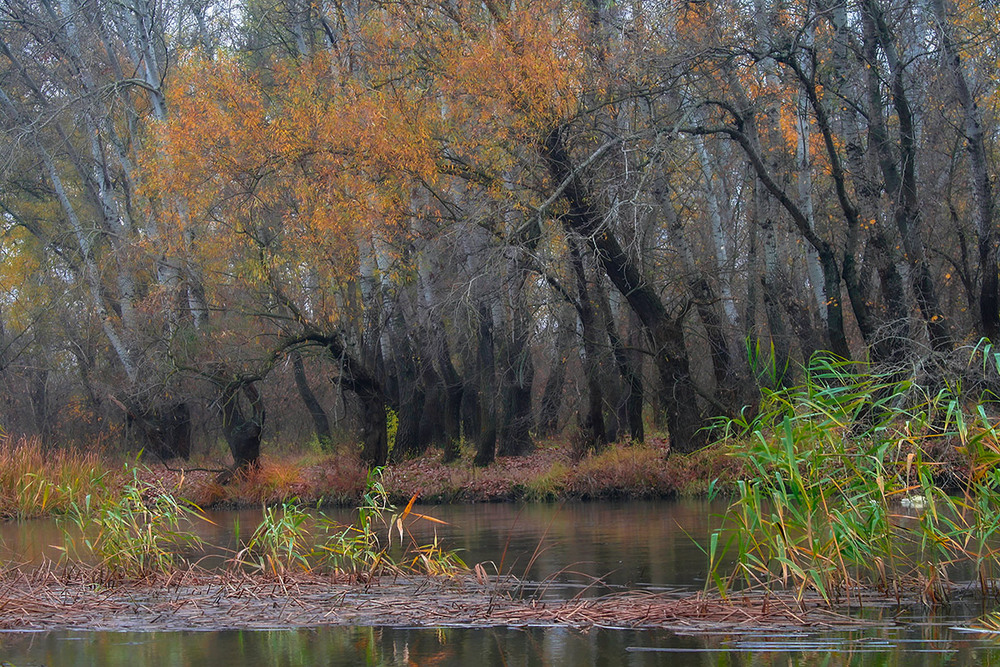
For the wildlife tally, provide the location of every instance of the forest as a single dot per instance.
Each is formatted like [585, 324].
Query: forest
[479, 223]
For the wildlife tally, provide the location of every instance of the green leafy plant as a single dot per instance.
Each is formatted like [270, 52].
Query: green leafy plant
[142, 532]
[291, 538]
[281, 541]
[841, 492]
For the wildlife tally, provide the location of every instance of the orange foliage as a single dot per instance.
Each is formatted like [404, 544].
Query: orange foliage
[309, 166]
[296, 172]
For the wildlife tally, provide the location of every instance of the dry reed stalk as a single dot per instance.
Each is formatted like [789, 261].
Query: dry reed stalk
[76, 597]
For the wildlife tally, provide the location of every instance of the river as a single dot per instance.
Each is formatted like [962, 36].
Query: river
[575, 549]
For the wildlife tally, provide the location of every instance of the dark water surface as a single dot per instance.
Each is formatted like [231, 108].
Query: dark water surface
[918, 644]
[585, 548]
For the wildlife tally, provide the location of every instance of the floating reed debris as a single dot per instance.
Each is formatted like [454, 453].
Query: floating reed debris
[51, 598]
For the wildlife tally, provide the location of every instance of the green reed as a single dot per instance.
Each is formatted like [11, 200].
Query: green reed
[291, 538]
[143, 531]
[831, 464]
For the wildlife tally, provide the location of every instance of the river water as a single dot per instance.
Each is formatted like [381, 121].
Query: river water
[575, 549]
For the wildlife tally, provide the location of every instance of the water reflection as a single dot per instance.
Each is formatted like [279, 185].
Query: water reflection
[624, 544]
[648, 544]
[485, 648]
[640, 544]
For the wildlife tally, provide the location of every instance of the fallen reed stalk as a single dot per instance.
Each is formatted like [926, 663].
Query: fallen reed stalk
[52, 597]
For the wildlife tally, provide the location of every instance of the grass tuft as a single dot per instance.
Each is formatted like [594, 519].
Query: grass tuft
[139, 533]
[624, 471]
[289, 538]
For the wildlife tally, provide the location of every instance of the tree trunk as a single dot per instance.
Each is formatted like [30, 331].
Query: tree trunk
[704, 298]
[374, 437]
[629, 407]
[684, 418]
[316, 412]
[514, 434]
[900, 179]
[433, 430]
[453, 391]
[982, 188]
[486, 437]
[552, 395]
[361, 380]
[410, 392]
[592, 431]
[243, 433]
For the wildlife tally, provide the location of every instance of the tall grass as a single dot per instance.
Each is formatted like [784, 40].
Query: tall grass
[141, 531]
[289, 538]
[37, 480]
[843, 491]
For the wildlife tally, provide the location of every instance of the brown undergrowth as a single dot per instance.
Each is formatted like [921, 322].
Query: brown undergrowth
[38, 481]
[620, 471]
[327, 480]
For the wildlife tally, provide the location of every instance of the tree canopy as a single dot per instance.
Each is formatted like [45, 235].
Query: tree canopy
[490, 221]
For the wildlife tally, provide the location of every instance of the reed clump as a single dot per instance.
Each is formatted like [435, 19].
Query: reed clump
[145, 531]
[37, 480]
[291, 539]
[142, 531]
[843, 487]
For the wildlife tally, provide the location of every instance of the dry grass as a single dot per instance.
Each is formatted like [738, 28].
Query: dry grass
[36, 480]
[636, 471]
[79, 598]
[326, 480]
[620, 471]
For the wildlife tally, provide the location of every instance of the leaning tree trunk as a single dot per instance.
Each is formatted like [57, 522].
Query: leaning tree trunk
[680, 398]
[359, 379]
[316, 412]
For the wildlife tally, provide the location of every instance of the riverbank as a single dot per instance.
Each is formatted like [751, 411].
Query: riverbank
[41, 482]
[549, 474]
